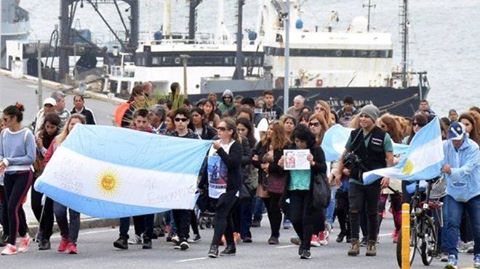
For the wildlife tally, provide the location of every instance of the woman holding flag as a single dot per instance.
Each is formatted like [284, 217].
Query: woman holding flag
[68, 231]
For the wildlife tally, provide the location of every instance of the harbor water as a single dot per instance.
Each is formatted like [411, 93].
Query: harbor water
[444, 35]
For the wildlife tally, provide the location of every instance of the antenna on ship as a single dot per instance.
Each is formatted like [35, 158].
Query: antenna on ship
[369, 6]
[404, 24]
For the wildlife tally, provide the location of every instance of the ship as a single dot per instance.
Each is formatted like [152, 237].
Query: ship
[284, 56]
[14, 25]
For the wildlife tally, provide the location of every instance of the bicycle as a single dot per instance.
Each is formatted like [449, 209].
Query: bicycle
[423, 231]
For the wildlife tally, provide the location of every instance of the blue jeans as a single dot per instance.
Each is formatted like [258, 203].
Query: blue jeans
[455, 211]
[330, 215]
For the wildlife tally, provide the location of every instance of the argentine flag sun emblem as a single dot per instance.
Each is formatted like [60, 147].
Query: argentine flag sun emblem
[108, 182]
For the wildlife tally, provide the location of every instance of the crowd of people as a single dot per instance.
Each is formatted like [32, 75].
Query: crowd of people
[244, 173]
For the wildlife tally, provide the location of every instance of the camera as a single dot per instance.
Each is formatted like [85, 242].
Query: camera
[351, 160]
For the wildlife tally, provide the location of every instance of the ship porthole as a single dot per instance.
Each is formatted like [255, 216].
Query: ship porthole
[177, 60]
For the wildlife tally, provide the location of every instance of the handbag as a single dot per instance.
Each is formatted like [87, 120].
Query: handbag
[320, 191]
[276, 183]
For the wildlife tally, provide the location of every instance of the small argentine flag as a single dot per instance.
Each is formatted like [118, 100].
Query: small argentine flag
[111, 172]
[335, 139]
[422, 161]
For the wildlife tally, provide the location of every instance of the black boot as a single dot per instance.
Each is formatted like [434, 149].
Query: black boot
[121, 243]
[340, 237]
[213, 252]
[44, 244]
[147, 243]
[229, 250]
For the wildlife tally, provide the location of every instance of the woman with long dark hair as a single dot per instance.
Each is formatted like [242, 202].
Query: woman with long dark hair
[304, 215]
[224, 178]
[44, 211]
[17, 154]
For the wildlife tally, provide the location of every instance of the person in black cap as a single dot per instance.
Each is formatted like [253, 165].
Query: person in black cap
[345, 114]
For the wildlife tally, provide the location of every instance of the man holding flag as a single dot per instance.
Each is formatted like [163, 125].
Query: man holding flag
[368, 148]
[462, 170]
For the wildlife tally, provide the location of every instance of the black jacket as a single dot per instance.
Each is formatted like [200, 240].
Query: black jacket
[208, 132]
[90, 119]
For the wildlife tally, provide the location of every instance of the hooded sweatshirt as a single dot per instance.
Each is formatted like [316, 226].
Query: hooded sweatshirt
[464, 181]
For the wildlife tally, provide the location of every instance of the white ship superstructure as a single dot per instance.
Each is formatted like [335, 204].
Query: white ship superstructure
[15, 25]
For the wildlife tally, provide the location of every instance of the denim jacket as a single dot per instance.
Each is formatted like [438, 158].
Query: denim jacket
[463, 183]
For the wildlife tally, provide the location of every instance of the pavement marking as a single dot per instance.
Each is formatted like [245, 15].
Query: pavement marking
[383, 235]
[192, 260]
[86, 233]
[32, 86]
[287, 246]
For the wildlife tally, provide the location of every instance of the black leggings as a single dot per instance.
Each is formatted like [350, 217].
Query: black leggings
[364, 196]
[16, 188]
[223, 218]
[43, 213]
[342, 209]
[3, 211]
[274, 214]
[304, 218]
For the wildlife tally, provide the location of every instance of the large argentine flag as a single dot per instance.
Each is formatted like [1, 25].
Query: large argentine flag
[423, 159]
[111, 172]
[336, 137]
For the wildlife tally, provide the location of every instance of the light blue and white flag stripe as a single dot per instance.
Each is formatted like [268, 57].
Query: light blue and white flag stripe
[336, 138]
[111, 172]
[422, 161]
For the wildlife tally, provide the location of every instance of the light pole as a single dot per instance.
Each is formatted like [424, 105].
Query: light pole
[185, 58]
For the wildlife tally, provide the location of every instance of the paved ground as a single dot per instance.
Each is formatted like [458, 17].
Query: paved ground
[96, 250]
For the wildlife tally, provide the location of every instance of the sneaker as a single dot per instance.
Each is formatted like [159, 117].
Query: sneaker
[147, 243]
[444, 257]
[175, 239]
[44, 244]
[295, 240]
[137, 240]
[230, 250]
[184, 245]
[395, 236]
[476, 261]
[273, 240]
[315, 241]
[63, 245]
[213, 252]
[72, 248]
[196, 238]
[287, 224]
[363, 243]
[24, 244]
[256, 223]
[452, 262]
[9, 250]
[371, 248]
[121, 243]
[323, 238]
[305, 254]
[340, 237]
[355, 248]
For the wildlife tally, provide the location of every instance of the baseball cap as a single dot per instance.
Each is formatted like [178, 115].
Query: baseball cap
[456, 131]
[50, 101]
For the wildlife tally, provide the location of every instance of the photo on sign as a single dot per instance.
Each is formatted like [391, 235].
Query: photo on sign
[296, 159]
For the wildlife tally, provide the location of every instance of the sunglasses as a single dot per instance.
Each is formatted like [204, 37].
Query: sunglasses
[223, 129]
[181, 119]
[316, 124]
[418, 124]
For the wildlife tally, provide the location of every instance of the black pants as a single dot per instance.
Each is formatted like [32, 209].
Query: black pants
[274, 214]
[303, 217]
[194, 223]
[16, 188]
[342, 209]
[182, 218]
[143, 225]
[3, 211]
[43, 213]
[366, 196]
[223, 218]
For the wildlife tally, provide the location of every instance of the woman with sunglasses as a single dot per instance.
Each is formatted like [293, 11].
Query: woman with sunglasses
[17, 154]
[224, 178]
[318, 126]
[272, 178]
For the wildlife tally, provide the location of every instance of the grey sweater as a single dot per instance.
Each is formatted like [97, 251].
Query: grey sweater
[17, 149]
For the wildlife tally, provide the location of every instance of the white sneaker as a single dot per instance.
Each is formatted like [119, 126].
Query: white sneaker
[323, 237]
[9, 250]
[137, 240]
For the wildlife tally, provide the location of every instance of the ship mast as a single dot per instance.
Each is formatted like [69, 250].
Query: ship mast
[404, 37]
[370, 5]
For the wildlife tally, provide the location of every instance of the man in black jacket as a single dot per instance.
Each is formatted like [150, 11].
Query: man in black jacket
[368, 148]
[79, 107]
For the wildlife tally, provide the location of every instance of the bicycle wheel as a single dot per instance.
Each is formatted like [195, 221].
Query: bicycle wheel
[428, 247]
[413, 245]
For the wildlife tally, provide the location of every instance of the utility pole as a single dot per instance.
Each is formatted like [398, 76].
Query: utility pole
[369, 7]
[405, 23]
[39, 67]
[184, 58]
[239, 55]
[286, 85]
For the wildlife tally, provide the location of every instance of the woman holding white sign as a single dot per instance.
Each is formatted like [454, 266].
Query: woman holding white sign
[304, 213]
